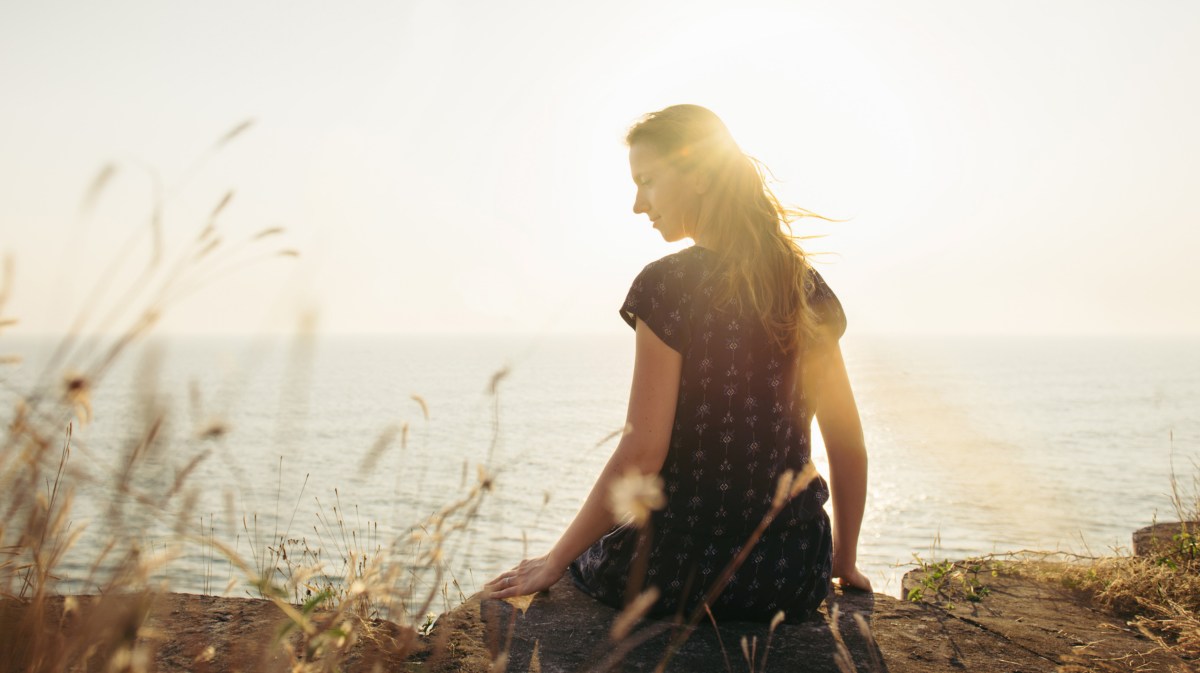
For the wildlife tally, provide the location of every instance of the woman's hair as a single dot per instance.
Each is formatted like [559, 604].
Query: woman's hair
[764, 269]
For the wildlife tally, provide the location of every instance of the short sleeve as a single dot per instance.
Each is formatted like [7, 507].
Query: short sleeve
[831, 319]
[656, 298]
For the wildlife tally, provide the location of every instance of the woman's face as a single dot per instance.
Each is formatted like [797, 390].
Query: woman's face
[667, 196]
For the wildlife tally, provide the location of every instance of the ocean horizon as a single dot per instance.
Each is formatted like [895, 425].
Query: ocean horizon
[977, 445]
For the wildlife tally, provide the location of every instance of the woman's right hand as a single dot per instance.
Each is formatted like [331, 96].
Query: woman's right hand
[841, 427]
[528, 577]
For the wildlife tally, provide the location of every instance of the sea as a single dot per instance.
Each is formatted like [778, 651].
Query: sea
[977, 445]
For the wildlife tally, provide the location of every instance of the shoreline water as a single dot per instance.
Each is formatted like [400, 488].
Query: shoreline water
[983, 444]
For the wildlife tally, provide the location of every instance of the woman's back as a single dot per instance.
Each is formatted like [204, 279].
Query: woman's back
[739, 425]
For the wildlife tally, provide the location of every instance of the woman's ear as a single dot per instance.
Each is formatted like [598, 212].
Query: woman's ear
[701, 181]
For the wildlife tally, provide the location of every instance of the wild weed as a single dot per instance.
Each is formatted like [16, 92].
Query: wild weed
[333, 586]
[943, 582]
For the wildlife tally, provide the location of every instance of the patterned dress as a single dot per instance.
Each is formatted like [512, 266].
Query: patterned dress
[737, 428]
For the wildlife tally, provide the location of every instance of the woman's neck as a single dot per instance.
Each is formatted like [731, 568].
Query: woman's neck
[702, 242]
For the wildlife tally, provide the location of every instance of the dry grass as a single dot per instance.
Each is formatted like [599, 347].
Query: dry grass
[1158, 599]
[333, 590]
[1158, 594]
[332, 587]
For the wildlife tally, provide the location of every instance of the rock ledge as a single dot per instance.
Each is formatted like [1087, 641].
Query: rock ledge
[1024, 623]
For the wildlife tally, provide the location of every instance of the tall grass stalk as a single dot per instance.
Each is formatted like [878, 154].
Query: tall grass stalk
[330, 586]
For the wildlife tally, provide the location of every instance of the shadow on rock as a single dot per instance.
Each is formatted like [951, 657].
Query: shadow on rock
[564, 630]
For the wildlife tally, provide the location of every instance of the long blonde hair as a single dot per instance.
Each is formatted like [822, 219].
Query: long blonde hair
[764, 270]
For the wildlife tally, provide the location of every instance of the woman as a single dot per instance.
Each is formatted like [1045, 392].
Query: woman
[736, 352]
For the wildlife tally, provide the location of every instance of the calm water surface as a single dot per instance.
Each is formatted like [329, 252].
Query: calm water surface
[976, 445]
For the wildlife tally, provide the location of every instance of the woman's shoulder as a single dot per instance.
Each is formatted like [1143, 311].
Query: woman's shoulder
[825, 304]
[677, 273]
[815, 285]
[673, 277]
[661, 293]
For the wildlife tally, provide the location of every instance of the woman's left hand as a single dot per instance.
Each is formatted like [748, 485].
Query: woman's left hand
[529, 577]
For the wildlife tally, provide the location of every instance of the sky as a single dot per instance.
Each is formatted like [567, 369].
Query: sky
[1016, 168]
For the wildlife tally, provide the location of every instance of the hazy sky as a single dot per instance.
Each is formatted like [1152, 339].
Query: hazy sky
[1002, 167]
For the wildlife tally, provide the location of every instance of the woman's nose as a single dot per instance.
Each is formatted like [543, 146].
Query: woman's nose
[639, 204]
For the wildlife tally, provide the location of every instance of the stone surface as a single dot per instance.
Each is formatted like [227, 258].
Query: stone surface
[1161, 536]
[1023, 624]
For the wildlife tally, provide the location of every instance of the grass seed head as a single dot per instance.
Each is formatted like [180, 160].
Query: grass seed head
[635, 495]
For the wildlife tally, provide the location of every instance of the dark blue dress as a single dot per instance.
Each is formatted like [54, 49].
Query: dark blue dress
[737, 428]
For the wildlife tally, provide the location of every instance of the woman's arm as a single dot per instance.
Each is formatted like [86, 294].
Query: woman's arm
[837, 416]
[642, 448]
